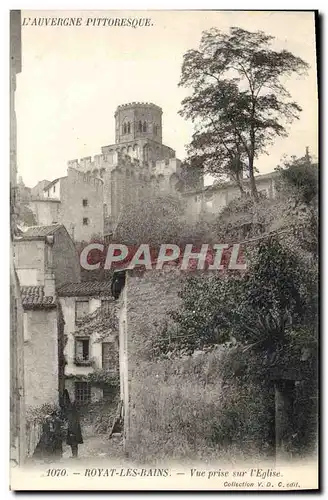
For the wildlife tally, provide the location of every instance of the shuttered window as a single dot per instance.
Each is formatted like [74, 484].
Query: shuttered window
[106, 355]
[82, 349]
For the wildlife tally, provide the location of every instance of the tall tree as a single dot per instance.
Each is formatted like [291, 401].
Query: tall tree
[239, 102]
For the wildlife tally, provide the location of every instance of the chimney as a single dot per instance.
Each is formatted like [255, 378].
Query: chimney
[49, 285]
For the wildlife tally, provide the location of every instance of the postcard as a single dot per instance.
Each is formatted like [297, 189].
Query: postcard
[164, 186]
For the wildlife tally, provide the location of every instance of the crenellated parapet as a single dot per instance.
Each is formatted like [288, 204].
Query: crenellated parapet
[138, 121]
[128, 105]
[163, 171]
[96, 166]
[75, 175]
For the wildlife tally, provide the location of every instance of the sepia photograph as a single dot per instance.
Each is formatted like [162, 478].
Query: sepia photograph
[164, 250]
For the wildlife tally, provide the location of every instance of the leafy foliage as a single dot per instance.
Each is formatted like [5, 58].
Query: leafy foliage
[102, 321]
[268, 307]
[102, 377]
[297, 205]
[299, 179]
[238, 101]
[154, 221]
[38, 414]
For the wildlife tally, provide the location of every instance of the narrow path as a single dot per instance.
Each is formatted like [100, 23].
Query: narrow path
[95, 450]
[97, 446]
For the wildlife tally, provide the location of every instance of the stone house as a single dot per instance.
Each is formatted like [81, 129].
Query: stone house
[45, 257]
[43, 359]
[76, 201]
[212, 199]
[38, 190]
[91, 338]
[41, 346]
[41, 251]
[143, 301]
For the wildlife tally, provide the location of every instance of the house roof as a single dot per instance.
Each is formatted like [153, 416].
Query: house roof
[46, 200]
[221, 185]
[40, 231]
[52, 183]
[33, 298]
[85, 288]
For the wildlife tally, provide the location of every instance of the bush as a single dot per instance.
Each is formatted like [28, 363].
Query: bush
[183, 409]
[99, 415]
[39, 413]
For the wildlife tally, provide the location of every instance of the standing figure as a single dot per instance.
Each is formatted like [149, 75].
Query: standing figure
[50, 445]
[74, 433]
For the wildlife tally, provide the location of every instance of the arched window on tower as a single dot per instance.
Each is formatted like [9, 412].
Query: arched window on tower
[140, 126]
[155, 129]
[129, 128]
[144, 127]
[124, 128]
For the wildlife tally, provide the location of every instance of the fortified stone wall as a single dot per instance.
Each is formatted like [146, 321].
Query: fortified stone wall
[145, 302]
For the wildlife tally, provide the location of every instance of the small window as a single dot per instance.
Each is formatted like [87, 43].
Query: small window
[82, 392]
[81, 308]
[54, 189]
[144, 127]
[85, 221]
[129, 128]
[85, 202]
[140, 126]
[124, 129]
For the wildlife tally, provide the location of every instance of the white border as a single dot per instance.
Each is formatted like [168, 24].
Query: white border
[4, 185]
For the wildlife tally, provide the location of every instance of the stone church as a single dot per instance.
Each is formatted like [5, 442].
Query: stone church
[137, 165]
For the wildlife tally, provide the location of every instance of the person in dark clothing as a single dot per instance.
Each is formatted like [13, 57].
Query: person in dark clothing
[74, 432]
[50, 445]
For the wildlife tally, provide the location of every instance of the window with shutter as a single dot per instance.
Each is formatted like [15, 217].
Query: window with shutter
[106, 353]
[82, 350]
[105, 305]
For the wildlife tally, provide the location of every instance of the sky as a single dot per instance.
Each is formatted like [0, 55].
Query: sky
[73, 79]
